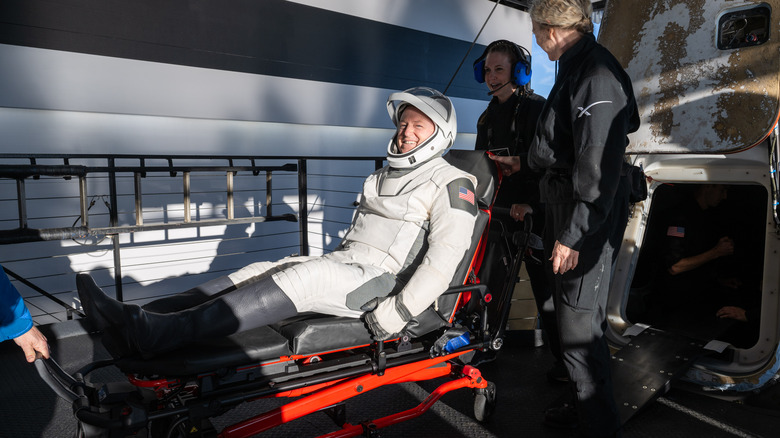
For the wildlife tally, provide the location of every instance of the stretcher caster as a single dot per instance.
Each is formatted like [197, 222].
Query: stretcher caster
[484, 402]
[181, 427]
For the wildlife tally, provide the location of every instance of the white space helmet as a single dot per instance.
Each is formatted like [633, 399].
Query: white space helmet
[438, 108]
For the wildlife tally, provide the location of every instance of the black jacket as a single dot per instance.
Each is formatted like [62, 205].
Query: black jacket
[581, 139]
[512, 125]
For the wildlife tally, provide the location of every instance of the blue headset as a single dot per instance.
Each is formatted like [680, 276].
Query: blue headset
[521, 70]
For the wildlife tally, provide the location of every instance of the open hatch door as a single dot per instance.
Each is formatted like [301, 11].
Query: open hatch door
[706, 74]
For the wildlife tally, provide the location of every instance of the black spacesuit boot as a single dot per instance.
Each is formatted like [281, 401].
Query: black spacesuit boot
[101, 310]
[191, 298]
[138, 331]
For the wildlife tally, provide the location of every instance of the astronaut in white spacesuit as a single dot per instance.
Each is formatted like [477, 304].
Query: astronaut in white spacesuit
[413, 226]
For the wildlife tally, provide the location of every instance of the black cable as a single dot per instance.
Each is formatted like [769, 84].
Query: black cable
[471, 47]
[91, 204]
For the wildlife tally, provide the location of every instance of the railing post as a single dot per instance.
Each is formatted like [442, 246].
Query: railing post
[113, 221]
[83, 201]
[21, 201]
[139, 212]
[268, 197]
[230, 202]
[303, 207]
[186, 190]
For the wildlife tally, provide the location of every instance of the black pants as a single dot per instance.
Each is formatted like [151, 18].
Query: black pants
[580, 297]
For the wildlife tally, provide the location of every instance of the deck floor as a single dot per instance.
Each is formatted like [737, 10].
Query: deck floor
[31, 409]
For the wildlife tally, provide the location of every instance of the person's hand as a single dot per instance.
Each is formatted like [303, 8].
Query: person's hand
[563, 258]
[372, 324]
[724, 247]
[518, 211]
[509, 165]
[732, 312]
[377, 332]
[31, 342]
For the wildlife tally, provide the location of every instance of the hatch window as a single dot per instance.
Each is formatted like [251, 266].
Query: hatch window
[744, 27]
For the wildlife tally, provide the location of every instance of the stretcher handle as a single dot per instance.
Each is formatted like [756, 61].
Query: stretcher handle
[58, 380]
[522, 240]
[84, 415]
[481, 288]
[71, 390]
[504, 214]
[484, 294]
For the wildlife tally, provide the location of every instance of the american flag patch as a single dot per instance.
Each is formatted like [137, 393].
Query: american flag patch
[466, 195]
[675, 231]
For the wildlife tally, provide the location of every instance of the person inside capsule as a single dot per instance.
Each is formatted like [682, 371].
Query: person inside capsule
[703, 283]
[413, 226]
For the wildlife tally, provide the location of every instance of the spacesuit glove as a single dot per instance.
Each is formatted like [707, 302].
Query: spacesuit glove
[377, 332]
[387, 316]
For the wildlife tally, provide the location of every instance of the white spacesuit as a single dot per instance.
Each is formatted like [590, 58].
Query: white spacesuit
[410, 209]
[412, 228]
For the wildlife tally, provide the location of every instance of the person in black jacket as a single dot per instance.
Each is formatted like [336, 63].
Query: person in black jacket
[580, 144]
[507, 127]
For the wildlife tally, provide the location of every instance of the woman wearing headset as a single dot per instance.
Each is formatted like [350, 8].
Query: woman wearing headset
[507, 127]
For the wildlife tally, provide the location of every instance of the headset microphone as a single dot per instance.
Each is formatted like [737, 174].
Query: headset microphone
[490, 93]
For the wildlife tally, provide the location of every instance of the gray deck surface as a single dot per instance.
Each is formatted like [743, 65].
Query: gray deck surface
[31, 409]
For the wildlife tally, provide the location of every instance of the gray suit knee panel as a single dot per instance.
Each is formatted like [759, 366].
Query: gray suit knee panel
[380, 286]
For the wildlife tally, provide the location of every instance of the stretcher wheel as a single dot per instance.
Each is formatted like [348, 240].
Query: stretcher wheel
[181, 427]
[484, 402]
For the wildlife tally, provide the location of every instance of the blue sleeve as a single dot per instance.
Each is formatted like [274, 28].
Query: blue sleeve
[15, 319]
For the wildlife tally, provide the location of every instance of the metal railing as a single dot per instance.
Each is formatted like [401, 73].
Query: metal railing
[28, 168]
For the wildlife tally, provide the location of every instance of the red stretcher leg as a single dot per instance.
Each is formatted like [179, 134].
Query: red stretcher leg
[472, 379]
[417, 371]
